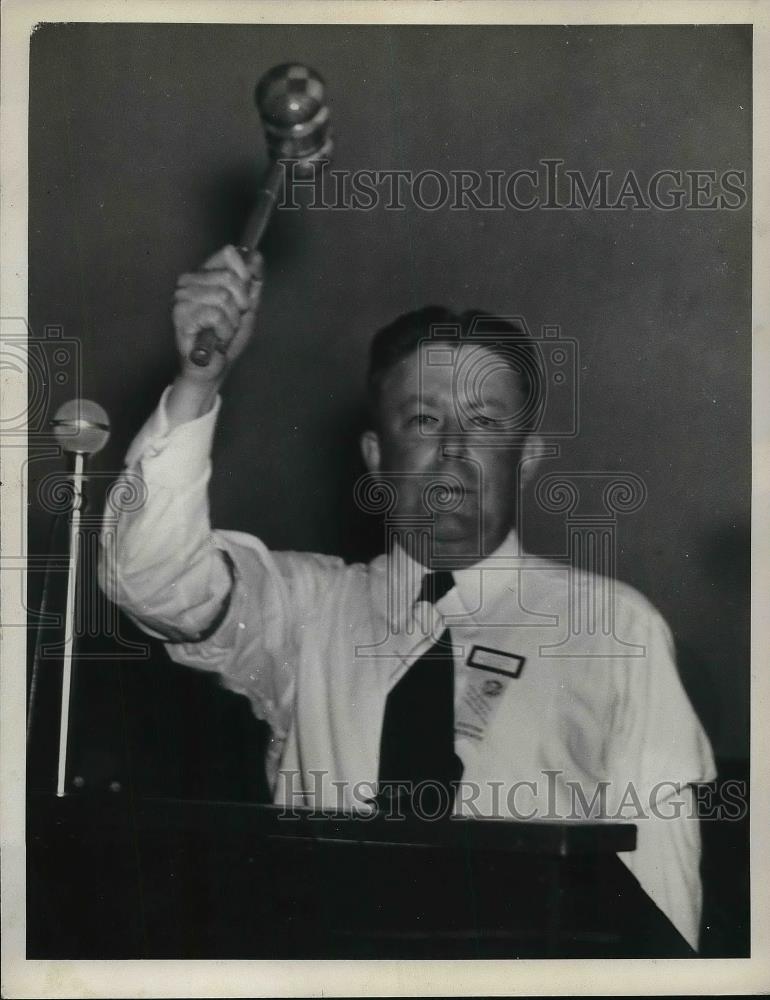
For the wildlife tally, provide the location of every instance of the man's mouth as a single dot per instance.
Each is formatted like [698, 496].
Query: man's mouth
[446, 498]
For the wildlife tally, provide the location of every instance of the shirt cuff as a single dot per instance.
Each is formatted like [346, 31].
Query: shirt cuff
[177, 457]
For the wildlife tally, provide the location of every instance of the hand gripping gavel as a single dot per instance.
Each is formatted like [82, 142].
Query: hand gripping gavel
[290, 101]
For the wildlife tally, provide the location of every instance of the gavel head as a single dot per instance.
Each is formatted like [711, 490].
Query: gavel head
[291, 103]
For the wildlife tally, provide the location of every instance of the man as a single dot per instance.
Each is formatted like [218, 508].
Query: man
[442, 665]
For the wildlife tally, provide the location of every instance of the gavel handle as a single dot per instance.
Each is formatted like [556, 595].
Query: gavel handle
[206, 341]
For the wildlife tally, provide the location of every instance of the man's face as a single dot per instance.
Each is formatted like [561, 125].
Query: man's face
[445, 442]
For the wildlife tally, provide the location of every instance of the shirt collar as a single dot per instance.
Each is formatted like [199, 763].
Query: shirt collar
[494, 573]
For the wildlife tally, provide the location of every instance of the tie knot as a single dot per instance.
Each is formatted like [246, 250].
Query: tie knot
[435, 585]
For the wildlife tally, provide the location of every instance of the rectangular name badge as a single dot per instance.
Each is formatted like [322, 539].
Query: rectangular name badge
[484, 691]
[496, 661]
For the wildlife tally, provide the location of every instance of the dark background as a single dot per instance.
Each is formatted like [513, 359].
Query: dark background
[144, 150]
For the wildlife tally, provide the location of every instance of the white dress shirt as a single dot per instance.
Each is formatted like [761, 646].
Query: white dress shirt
[545, 701]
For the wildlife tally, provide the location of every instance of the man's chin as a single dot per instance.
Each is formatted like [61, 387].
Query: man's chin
[454, 540]
[456, 544]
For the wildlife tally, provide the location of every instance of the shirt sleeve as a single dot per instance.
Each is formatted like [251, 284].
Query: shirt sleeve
[659, 752]
[159, 559]
[220, 600]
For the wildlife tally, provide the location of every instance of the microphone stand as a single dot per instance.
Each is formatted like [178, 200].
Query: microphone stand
[70, 616]
[81, 428]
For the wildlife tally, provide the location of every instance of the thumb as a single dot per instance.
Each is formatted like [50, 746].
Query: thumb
[255, 262]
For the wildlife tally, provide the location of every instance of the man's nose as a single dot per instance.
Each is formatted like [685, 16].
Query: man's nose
[454, 446]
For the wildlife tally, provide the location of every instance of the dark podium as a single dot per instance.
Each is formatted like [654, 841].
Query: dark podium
[119, 877]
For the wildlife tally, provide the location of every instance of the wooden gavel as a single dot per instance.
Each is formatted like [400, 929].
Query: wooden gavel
[291, 104]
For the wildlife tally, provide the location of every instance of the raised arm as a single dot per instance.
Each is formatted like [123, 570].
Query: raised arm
[161, 562]
[220, 600]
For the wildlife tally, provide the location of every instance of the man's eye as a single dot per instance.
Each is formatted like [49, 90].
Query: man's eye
[422, 420]
[481, 421]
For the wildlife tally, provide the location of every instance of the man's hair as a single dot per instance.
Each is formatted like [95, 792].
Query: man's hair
[436, 324]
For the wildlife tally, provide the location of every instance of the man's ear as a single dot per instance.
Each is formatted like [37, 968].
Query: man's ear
[530, 457]
[370, 450]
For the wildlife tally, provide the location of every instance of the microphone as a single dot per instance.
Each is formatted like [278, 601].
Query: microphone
[291, 102]
[81, 426]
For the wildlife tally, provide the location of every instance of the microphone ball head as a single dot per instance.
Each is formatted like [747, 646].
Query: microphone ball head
[81, 426]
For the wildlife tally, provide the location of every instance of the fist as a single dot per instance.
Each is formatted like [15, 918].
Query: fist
[222, 296]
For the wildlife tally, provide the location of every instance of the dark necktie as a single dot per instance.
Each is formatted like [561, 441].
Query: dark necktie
[418, 728]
